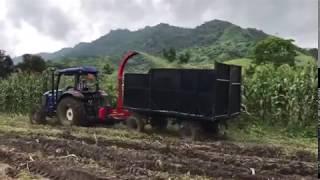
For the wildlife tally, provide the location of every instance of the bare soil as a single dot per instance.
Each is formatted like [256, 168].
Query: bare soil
[68, 156]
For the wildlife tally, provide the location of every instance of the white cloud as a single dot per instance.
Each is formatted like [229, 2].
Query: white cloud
[31, 26]
[25, 40]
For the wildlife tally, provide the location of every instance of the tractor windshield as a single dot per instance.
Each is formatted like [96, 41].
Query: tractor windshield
[88, 82]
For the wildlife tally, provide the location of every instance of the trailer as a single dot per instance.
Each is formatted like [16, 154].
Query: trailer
[196, 99]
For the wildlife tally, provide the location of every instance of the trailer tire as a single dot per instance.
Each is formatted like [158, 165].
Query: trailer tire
[158, 123]
[135, 122]
[191, 129]
[211, 127]
[71, 111]
[217, 128]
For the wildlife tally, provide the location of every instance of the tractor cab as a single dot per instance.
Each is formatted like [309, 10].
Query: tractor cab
[75, 97]
[84, 78]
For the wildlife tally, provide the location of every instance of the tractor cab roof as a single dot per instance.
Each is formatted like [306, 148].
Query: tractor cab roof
[78, 70]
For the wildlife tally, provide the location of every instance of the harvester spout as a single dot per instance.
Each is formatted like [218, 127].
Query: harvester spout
[123, 63]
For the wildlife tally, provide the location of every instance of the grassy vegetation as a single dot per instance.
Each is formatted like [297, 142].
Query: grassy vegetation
[244, 62]
[272, 136]
[302, 59]
[264, 135]
[145, 61]
[20, 124]
[26, 175]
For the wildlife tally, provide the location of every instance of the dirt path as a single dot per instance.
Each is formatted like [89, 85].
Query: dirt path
[66, 156]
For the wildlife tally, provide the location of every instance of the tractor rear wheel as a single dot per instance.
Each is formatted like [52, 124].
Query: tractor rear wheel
[136, 122]
[71, 111]
[159, 123]
[37, 115]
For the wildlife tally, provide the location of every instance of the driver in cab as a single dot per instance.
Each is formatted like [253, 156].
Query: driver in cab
[87, 82]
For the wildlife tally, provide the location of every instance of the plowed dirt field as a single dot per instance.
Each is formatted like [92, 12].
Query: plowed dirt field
[45, 152]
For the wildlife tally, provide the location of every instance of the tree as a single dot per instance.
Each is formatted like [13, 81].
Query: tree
[6, 65]
[170, 54]
[32, 64]
[275, 50]
[57, 65]
[313, 52]
[107, 69]
[184, 57]
[165, 53]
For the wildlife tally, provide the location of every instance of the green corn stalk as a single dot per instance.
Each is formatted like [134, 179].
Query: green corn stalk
[283, 96]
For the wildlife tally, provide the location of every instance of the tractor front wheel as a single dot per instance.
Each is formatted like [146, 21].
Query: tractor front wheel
[71, 111]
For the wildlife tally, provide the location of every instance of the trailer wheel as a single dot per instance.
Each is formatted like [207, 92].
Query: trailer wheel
[217, 129]
[191, 129]
[71, 111]
[135, 122]
[37, 115]
[221, 129]
[158, 123]
[211, 127]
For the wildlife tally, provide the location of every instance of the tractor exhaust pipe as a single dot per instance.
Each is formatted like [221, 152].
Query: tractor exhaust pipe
[52, 86]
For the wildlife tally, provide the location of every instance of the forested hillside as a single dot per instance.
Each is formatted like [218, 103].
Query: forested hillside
[217, 39]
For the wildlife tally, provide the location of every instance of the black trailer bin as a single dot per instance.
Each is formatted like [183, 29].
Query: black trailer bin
[201, 94]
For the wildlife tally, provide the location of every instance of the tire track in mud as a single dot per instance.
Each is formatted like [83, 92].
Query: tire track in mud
[199, 149]
[55, 169]
[148, 162]
[208, 152]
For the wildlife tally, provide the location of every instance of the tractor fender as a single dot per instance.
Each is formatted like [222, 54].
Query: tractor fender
[71, 93]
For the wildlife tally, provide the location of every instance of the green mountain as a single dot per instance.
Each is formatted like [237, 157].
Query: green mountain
[218, 40]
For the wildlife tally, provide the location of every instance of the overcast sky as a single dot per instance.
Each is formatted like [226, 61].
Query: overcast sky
[32, 26]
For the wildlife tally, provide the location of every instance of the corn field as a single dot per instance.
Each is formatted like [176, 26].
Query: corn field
[20, 92]
[285, 96]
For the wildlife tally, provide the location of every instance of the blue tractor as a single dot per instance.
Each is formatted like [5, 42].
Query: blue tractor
[74, 98]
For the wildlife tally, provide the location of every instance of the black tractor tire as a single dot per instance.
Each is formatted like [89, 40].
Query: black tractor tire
[71, 111]
[158, 123]
[191, 130]
[37, 115]
[136, 122]
[217, 128]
